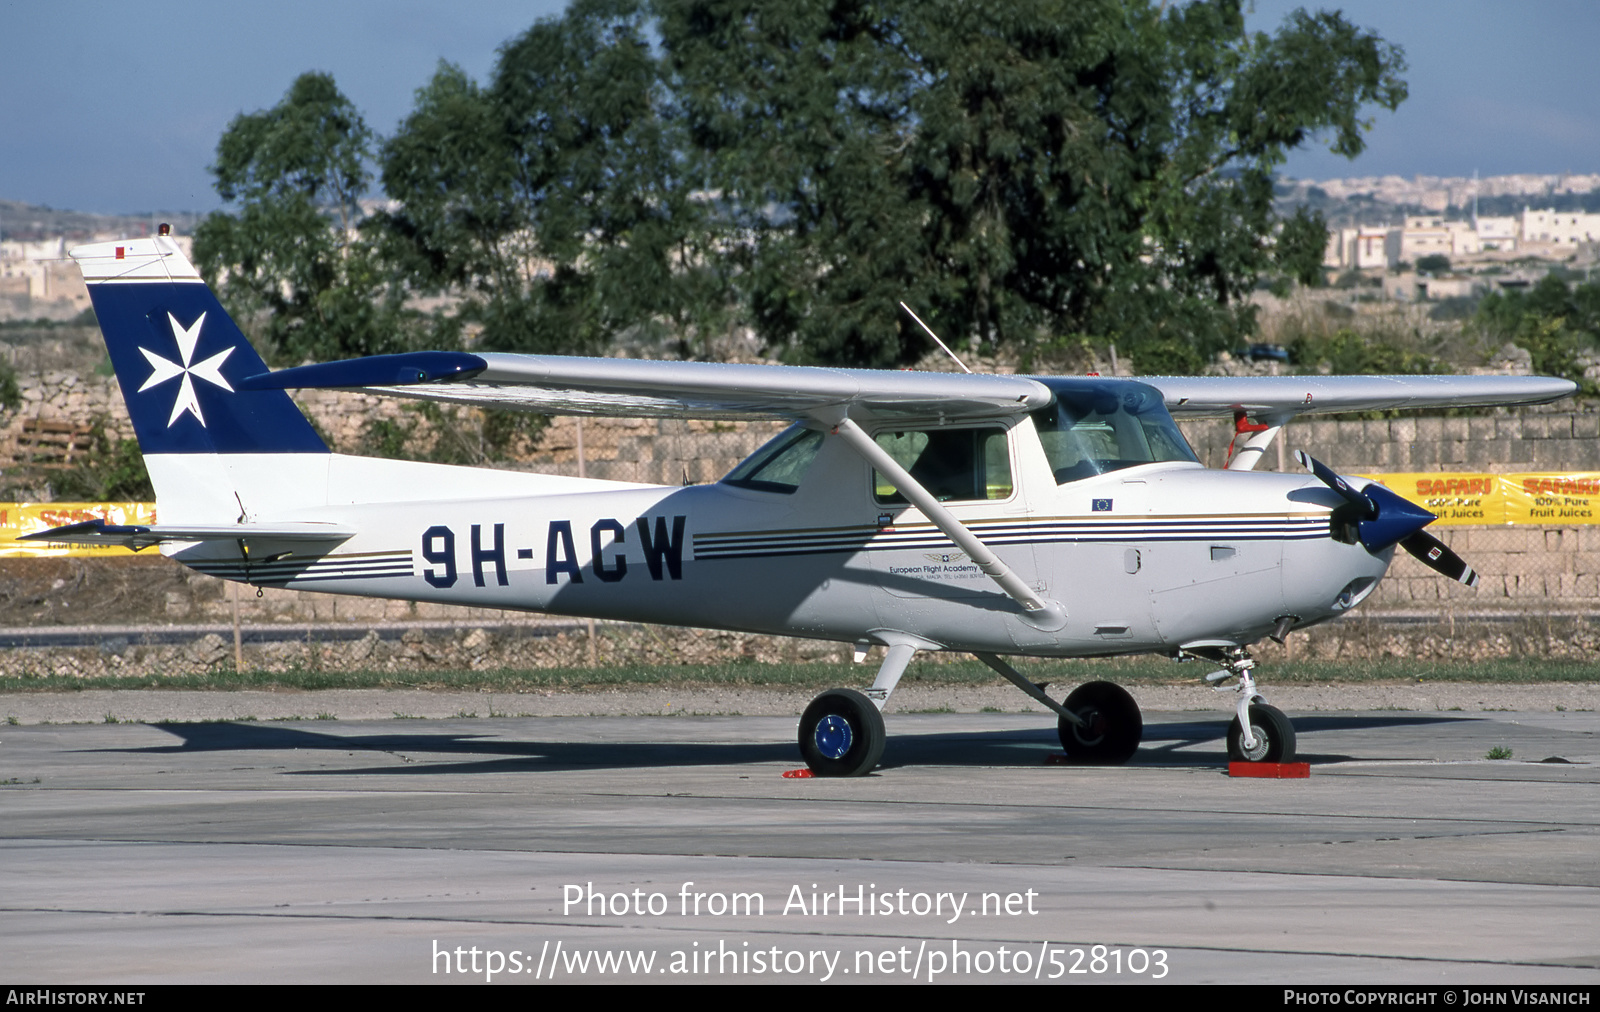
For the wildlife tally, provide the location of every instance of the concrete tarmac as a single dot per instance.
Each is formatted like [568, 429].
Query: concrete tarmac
[672, 849]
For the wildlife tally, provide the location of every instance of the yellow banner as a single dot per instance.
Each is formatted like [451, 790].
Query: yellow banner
[19, 518]
[1544, 499]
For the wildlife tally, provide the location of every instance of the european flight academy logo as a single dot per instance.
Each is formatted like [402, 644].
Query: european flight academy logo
[164, 369]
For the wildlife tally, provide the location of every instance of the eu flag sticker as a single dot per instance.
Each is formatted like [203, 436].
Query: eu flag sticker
[1102, 505]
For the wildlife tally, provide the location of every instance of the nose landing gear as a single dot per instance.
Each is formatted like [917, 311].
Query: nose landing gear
[1259, 732]
[1271, 733]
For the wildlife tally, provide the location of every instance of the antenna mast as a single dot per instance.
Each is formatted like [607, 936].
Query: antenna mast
[941, 344]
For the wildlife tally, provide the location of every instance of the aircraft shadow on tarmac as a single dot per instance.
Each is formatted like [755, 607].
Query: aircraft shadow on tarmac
[1167, 744]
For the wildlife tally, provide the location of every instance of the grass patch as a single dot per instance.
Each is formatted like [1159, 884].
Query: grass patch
[819, 676]
[1498, 752]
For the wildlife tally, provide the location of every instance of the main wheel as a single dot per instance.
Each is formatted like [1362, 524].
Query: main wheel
[1112, 724]
[1273, 732]
[841, 734]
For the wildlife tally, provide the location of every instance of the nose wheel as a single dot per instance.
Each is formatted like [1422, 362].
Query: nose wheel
[1271, 734]
[841, 734]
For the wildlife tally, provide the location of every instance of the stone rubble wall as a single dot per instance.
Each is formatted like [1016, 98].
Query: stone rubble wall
[1362, 636]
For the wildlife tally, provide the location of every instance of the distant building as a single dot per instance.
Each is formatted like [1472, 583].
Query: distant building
[1559, 228]
[1499, 232]
[1361, 248]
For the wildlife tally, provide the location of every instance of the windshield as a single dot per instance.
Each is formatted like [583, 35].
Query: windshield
[1098, 426]
[780, 464]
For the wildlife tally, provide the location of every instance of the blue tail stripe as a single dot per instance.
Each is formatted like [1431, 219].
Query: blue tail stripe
[175, 400]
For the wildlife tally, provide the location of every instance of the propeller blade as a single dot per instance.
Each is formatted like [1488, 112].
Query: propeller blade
[1381, 518]
[1331, 478]
[1437, 556]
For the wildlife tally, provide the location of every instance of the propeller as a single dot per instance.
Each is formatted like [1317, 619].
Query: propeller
[1376, 518]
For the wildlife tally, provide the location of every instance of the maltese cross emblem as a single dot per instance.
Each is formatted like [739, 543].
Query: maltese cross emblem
[164, 369]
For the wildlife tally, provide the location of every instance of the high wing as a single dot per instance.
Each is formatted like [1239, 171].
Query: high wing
[645, 388]
[140, 536]
[641, 388]
[1298, 395]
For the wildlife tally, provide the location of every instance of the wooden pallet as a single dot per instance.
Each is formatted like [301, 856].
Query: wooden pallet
[51, 444]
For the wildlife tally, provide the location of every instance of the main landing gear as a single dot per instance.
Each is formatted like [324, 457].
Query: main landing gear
[842, 734]
[1108, 727]
[1259, 732]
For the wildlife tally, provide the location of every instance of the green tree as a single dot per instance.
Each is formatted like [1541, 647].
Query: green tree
[555, 198]
[1558, 323]
[290, 255]
[1302, 243]
[1028, 169]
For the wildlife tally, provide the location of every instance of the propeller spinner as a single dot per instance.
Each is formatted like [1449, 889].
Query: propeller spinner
[1376, 518]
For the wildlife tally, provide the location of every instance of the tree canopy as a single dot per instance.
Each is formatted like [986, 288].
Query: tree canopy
[1024, 174]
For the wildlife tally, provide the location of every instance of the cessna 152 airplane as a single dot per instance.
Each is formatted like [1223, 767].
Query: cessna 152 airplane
[996, 515]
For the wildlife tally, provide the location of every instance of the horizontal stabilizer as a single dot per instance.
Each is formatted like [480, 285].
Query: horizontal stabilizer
[374, 370]
[138, 536]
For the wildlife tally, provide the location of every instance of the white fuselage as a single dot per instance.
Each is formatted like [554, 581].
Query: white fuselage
[1147, 558]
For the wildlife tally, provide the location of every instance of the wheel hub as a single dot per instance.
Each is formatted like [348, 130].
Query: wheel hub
[834, 736]
[1094, 726]
[1263, 745]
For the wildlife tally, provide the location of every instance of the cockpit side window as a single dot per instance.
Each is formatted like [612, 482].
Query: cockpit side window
[780, 464]
[1095, 428]
[953, 464]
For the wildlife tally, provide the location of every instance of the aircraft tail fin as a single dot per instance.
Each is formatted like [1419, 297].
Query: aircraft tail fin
[179, 356]
[216, 453]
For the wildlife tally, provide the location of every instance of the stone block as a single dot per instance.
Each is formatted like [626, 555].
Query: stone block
[1578, 455]
[1586, 426]
[1480, 428]
[1403, 430]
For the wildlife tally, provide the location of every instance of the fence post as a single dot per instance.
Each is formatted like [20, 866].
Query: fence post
[583, 473]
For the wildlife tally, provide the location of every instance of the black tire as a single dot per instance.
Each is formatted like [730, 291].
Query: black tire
[1114, 725]
[841, 734]
[1274, 734]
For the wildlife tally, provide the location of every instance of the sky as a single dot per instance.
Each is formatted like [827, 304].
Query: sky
[116, 108]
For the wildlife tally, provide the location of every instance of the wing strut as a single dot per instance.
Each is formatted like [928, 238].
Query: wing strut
[1017, 678]
[1035, 606]
[1259, 438]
